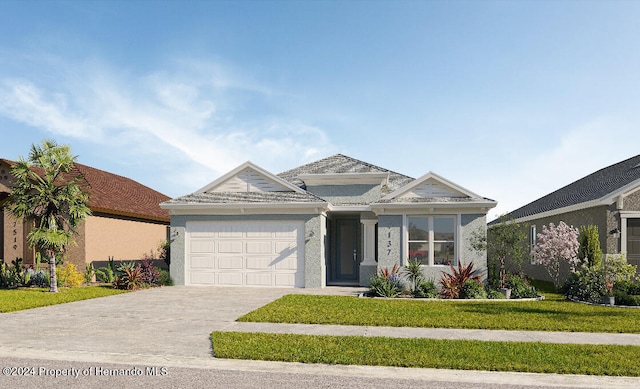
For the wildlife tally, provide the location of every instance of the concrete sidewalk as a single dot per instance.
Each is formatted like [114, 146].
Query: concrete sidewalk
[437, 333]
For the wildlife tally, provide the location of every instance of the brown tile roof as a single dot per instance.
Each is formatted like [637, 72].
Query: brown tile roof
[117, 195]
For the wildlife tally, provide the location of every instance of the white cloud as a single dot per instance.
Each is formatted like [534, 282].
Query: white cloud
[197, 110]
[580, 151]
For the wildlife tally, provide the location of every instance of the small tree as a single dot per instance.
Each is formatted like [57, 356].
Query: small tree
[504, 241]
[557, 244]
[46, 192]
[589, 250]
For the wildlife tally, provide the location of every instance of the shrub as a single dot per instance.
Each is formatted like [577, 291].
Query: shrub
[521, 288]
[107, 274]
[130, 277]
[626, 299]
[589, 250]
[39, 278]
[149, 273]
[451, 284]
[89, 273]
[386, 283]
[426, 289]
[68, 276]
[413, 271]
[472, 289]
[495, 294]
[164, 278]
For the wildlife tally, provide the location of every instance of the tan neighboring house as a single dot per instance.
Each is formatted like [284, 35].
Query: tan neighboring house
[126, 221]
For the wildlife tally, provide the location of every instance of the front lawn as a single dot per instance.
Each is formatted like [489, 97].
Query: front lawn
[26, 298]
[547, 315]
[430, 353]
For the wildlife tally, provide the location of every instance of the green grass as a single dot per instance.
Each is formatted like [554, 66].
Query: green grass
[552, 314]
[430, 353]
[19, 299]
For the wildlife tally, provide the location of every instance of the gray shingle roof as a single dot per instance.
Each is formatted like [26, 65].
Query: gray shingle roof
[246, 197]
[342, 164]
[592, 187]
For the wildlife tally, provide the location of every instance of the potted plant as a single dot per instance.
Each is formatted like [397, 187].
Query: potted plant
[608, 298]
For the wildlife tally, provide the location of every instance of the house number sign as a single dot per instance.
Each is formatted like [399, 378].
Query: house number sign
[389, 242]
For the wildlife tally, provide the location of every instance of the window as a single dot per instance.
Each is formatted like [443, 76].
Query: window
[532, 244]
[432, 239]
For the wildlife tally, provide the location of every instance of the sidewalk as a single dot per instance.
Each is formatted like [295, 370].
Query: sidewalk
[435, 333]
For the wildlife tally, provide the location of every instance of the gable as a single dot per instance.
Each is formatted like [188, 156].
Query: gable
[432, 188]
[248, 180]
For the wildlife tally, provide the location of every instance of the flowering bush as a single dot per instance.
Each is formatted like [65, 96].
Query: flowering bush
[557, 244]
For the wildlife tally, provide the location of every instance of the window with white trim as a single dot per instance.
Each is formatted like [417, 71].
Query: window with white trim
[532, 244]
[432, 239]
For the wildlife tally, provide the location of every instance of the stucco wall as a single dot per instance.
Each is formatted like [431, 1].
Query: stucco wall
[314, 250]
[470, 224]
[389, 240]
[121, 239]
[347, 194]
[597, 216]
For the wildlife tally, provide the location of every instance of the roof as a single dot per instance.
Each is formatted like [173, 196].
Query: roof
[253, 187]
[117, 195]
[246, 197]
[339, 163]
[595, 186]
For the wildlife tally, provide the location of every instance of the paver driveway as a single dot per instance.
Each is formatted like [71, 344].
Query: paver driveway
[173, 321]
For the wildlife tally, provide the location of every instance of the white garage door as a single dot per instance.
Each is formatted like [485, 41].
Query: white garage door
[263, 253]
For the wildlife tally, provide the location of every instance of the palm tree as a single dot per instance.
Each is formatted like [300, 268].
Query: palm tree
[47, 191]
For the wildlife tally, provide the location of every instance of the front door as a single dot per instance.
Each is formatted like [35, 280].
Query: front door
[344, 263]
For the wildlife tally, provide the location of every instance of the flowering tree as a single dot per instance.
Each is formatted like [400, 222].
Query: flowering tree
[557, 244]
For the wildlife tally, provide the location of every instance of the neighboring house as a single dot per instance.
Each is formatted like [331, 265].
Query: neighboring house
[330, 222]
[126, 220]
[608, 198]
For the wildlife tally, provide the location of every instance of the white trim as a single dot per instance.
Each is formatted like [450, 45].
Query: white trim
[248, 209]
[350, 208]
[249, 165]
[369, 241]
[430, 175]
[457, 231]
[345, 178]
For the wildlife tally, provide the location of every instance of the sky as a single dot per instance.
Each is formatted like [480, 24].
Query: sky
[509, 99]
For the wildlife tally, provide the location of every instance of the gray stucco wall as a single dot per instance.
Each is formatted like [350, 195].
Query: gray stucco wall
[389, 240]
[314, 249]
[347, 194]
[470, 224]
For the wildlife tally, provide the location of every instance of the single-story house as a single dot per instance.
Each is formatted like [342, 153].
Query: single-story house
[608, 199]
[126, 220]
[330, 222]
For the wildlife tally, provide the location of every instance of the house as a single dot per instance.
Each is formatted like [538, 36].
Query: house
[608, 199]
[126, 220]
[330, 222]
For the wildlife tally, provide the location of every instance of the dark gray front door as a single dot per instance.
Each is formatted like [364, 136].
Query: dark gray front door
[345, 252]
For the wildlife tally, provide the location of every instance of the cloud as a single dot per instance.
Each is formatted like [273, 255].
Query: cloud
[578, 152]
[198, 110]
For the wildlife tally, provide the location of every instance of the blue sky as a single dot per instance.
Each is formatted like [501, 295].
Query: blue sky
[510, 99]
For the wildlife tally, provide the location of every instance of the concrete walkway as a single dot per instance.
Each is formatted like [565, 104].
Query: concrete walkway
[171, 327]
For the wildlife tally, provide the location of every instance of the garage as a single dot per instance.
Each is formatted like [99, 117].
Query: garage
[245, 253]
